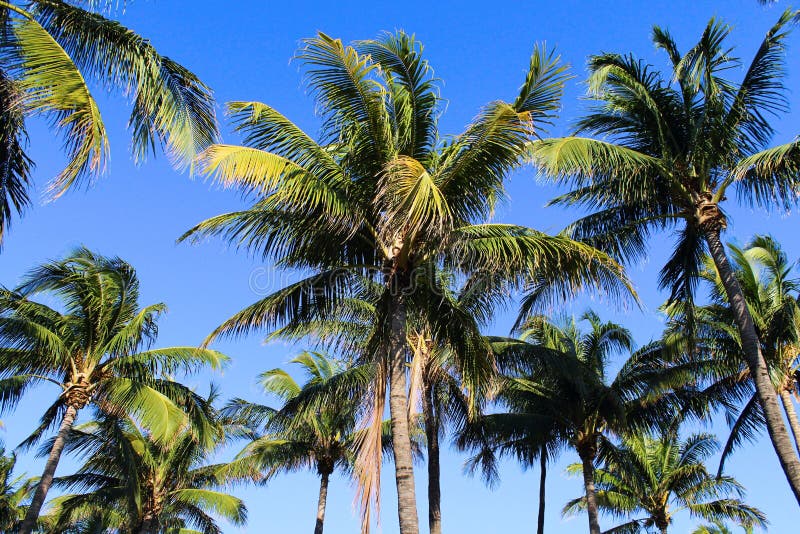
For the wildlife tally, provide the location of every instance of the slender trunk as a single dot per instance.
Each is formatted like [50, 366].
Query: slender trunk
[323, 499]
[663, 530]
[46, 481]
[432, 435]
[542, 478]
[791, 415]
[398, 409]
[149, 525]
[150, 511]
[756, 363]
[587, 459]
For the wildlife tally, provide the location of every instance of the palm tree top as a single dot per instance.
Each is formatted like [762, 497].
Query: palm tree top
[94, 344]
[671, 147]
[657, 478]
[131, 481]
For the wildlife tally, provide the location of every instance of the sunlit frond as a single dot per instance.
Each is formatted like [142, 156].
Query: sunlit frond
[53, 85]
[770, 177]
[414, 205]
[415, 93]
[171, 106]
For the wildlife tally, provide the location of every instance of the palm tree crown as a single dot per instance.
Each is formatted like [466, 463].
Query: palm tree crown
[658, 478]
[705, 339]
[316, 427]
[133, 483]
[95, 347]
[559, 393]
[15, 490]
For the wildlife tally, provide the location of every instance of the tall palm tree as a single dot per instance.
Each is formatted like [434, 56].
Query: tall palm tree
[14, 492]
[706, 338]
[659, 477]
[132, 483]
[95, 347]
[51, 48]
[381, 196]
[558, 393]
[316, 427]
[436, 388]
[677, 147]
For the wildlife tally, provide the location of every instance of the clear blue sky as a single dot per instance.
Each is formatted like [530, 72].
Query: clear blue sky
[480, 50]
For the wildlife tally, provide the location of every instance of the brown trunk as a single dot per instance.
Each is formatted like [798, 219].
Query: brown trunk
[542, 479]
[323, 499]
[432, 435]
[791, 415]
[46, 481]
[149, 525]
[398, 409]
[151, 510]
[756, 363]
[587, 460]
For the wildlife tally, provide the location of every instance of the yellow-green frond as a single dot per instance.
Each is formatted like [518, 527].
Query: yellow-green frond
[412, 201]
[54, 86]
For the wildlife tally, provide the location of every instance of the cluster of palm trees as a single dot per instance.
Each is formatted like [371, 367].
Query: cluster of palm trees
[392, 225]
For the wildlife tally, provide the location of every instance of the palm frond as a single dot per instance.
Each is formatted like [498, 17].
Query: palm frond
[171, 106]
[53, 85]
[15, 165]
[770, 176]
[415, 93]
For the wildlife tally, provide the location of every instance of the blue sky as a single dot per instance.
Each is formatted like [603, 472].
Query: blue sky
[480, 51]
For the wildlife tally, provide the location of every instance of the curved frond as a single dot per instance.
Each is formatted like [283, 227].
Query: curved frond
[156, 412]
[415, 93]
[53, 85]
[769, 177]
[171, 106]
[15, 165]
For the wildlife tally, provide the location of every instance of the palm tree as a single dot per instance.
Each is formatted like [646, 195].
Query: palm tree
[764, 274]
[660, 477]
[498, 436]
[95, 346]
[132, 483]
[14, 492]
[436, 388]
[381, 196]
[719, 527]
[558, 394]
[315, 428]
[677, 147]
[50, 49]
[445, 401]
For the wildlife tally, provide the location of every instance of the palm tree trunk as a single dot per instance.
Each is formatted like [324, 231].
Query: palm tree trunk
[149, 525]
[323, 499]
[587, 459]
[791, 415]
[46, 481]
[756, 363]
[434, 475]
[398, 409]
[542, 478]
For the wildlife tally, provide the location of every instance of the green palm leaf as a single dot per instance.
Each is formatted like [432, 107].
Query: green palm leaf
[156, 412]
[15, 165]
[54, 85]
